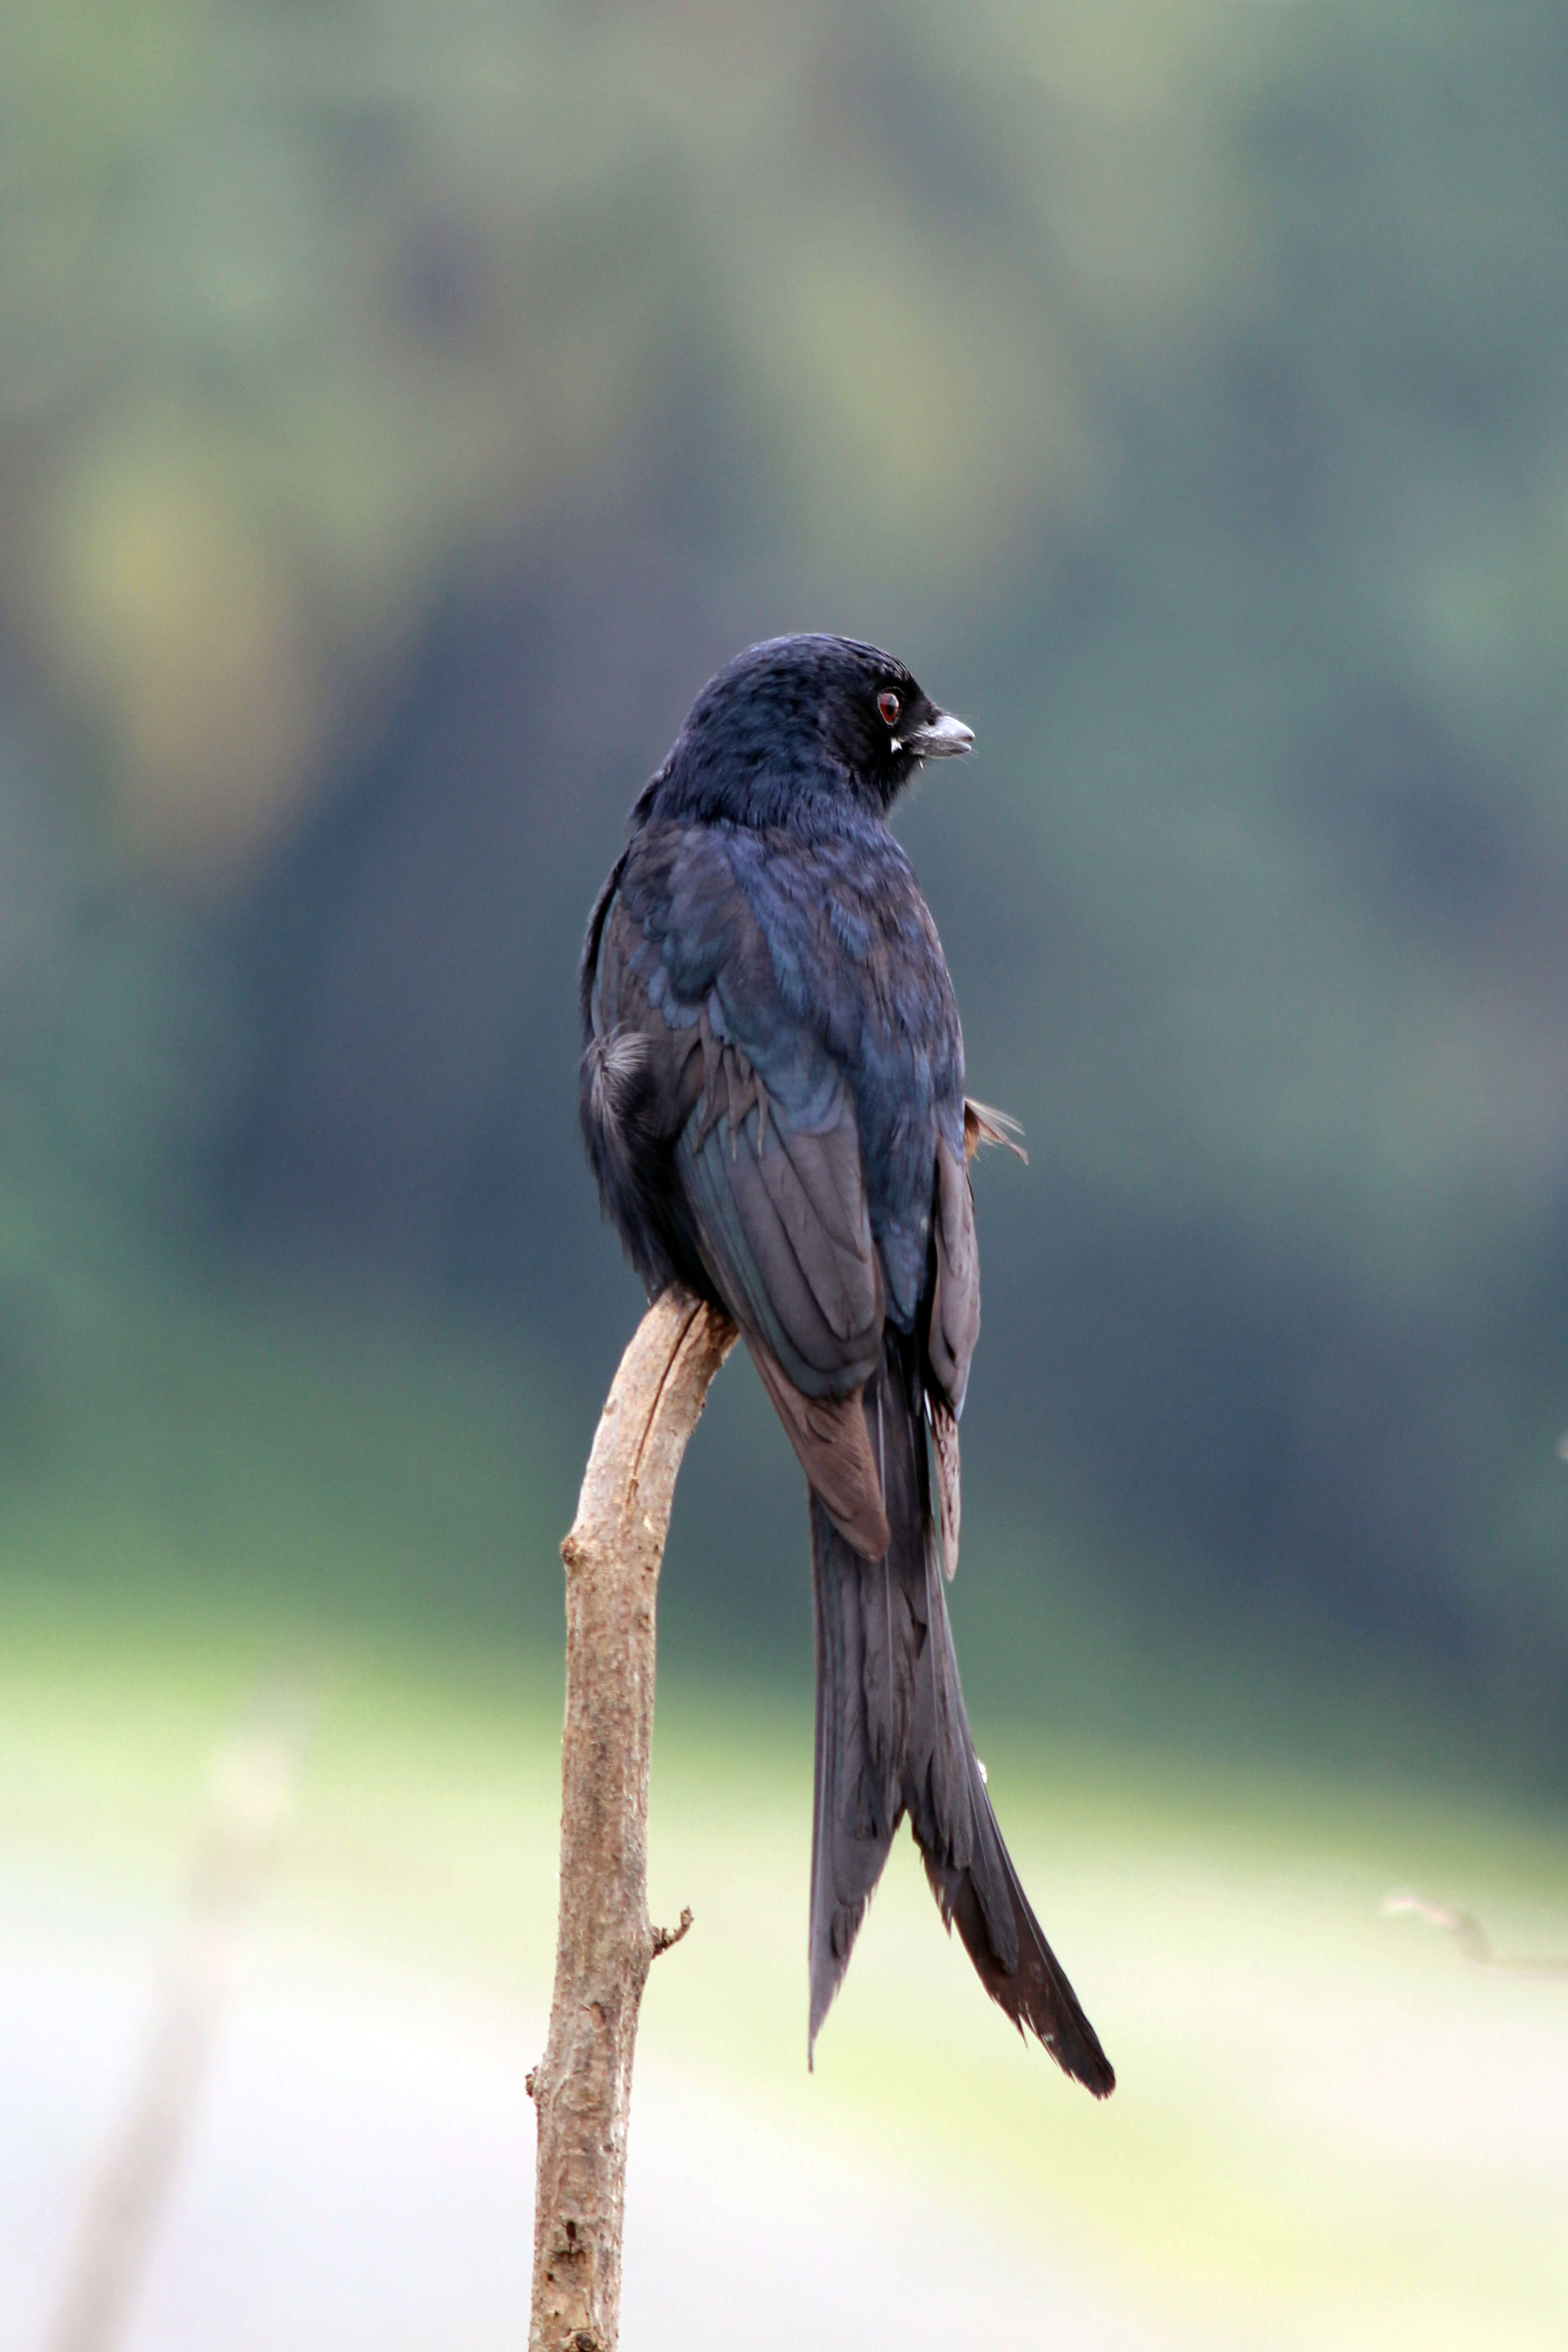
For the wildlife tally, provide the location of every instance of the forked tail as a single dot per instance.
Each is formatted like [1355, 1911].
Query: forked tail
[892, 1738]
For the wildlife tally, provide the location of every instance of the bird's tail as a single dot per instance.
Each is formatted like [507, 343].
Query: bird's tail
[892, 1738]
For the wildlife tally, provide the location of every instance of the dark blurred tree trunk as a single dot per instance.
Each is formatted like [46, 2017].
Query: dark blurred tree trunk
[605, 1942]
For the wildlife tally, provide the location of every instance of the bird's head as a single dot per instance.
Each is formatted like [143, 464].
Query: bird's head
[803, 722]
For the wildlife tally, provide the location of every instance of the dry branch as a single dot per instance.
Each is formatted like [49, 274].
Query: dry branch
[1471, 1937]
[605, 1942]
[250, 1795]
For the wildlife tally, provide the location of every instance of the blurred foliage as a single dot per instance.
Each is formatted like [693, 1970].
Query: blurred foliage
[301, 298]
[401, 409]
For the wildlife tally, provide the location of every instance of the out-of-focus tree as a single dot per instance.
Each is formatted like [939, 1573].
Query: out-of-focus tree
[400, 409]
[301, 300]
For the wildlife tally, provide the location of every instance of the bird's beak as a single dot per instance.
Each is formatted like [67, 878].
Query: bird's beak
[940, 738]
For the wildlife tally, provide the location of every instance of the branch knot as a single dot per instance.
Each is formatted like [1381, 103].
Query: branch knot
[663, 1938]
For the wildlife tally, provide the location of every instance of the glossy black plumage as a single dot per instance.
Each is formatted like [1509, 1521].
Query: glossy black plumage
[773, 1101]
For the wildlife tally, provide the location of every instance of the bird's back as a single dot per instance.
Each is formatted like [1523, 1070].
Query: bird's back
[816, 954]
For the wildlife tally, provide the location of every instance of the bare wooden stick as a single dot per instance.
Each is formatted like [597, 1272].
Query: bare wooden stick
[250, 1796]
[1471, 1937]
[605, 1942]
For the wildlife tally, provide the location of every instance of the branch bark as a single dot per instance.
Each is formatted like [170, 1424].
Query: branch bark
[605, 1942]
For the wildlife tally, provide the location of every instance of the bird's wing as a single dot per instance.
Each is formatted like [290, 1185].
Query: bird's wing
[955, 1287]
[783, 1226]
[766, 1153]
[954, 1323]
[951, 1334]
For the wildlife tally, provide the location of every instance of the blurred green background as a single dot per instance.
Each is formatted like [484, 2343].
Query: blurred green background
[403, 410]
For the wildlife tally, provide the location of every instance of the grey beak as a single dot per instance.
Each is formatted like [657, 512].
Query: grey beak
[940, 740]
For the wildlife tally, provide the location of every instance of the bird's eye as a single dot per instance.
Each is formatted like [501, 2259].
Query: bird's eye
[888, 704]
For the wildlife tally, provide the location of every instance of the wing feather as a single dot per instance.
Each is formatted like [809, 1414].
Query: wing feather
[955, 1293]
[767, 1162]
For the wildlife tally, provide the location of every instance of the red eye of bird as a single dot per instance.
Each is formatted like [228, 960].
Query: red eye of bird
[888, 704]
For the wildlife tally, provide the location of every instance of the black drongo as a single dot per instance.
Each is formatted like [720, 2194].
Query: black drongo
[773, 1098]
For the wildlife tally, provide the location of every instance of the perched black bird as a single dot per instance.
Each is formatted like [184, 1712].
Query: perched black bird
[773, 1098]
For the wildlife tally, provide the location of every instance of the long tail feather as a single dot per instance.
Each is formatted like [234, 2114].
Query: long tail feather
[892, 1738]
